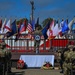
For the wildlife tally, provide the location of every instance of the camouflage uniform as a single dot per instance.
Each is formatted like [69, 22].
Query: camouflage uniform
[37, 32]
[73, 59]
[67, 62]
[5, 56]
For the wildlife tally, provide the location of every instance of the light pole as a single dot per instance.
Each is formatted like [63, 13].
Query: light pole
[32, 4]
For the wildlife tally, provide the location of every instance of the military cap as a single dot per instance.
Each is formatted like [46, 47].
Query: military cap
[70, 46]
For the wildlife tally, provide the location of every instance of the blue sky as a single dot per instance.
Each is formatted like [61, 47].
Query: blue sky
[56, 9]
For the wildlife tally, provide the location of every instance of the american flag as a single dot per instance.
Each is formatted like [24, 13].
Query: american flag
[29, 27]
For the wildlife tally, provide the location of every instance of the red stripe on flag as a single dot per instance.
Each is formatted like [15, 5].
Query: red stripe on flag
[29, 28]
[7, 28]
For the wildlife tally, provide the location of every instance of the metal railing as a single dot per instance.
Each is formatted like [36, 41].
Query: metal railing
[26, 44]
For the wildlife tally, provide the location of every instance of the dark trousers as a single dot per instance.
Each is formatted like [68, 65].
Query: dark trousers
[61, 64]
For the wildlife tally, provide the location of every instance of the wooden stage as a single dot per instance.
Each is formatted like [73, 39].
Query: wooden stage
[16, 55]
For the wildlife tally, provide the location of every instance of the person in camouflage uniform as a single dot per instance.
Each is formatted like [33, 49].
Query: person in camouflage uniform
[61, 60]
[73, 62]
[67, 60]
[37, 37]
[5, 56]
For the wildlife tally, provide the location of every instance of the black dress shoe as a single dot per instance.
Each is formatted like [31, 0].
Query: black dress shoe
[61, 71]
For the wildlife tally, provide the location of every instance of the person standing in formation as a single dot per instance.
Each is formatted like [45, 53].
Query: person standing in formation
[5, 56]
[67, 60]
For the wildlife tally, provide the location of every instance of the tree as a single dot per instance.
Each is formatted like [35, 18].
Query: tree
[46, 21]
[22, 20]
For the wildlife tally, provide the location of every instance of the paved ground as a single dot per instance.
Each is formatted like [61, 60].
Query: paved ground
[35, 72]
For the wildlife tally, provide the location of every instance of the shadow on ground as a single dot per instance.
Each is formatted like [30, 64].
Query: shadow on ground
[17, 73]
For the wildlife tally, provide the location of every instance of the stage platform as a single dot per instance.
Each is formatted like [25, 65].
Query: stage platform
[16, 55]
